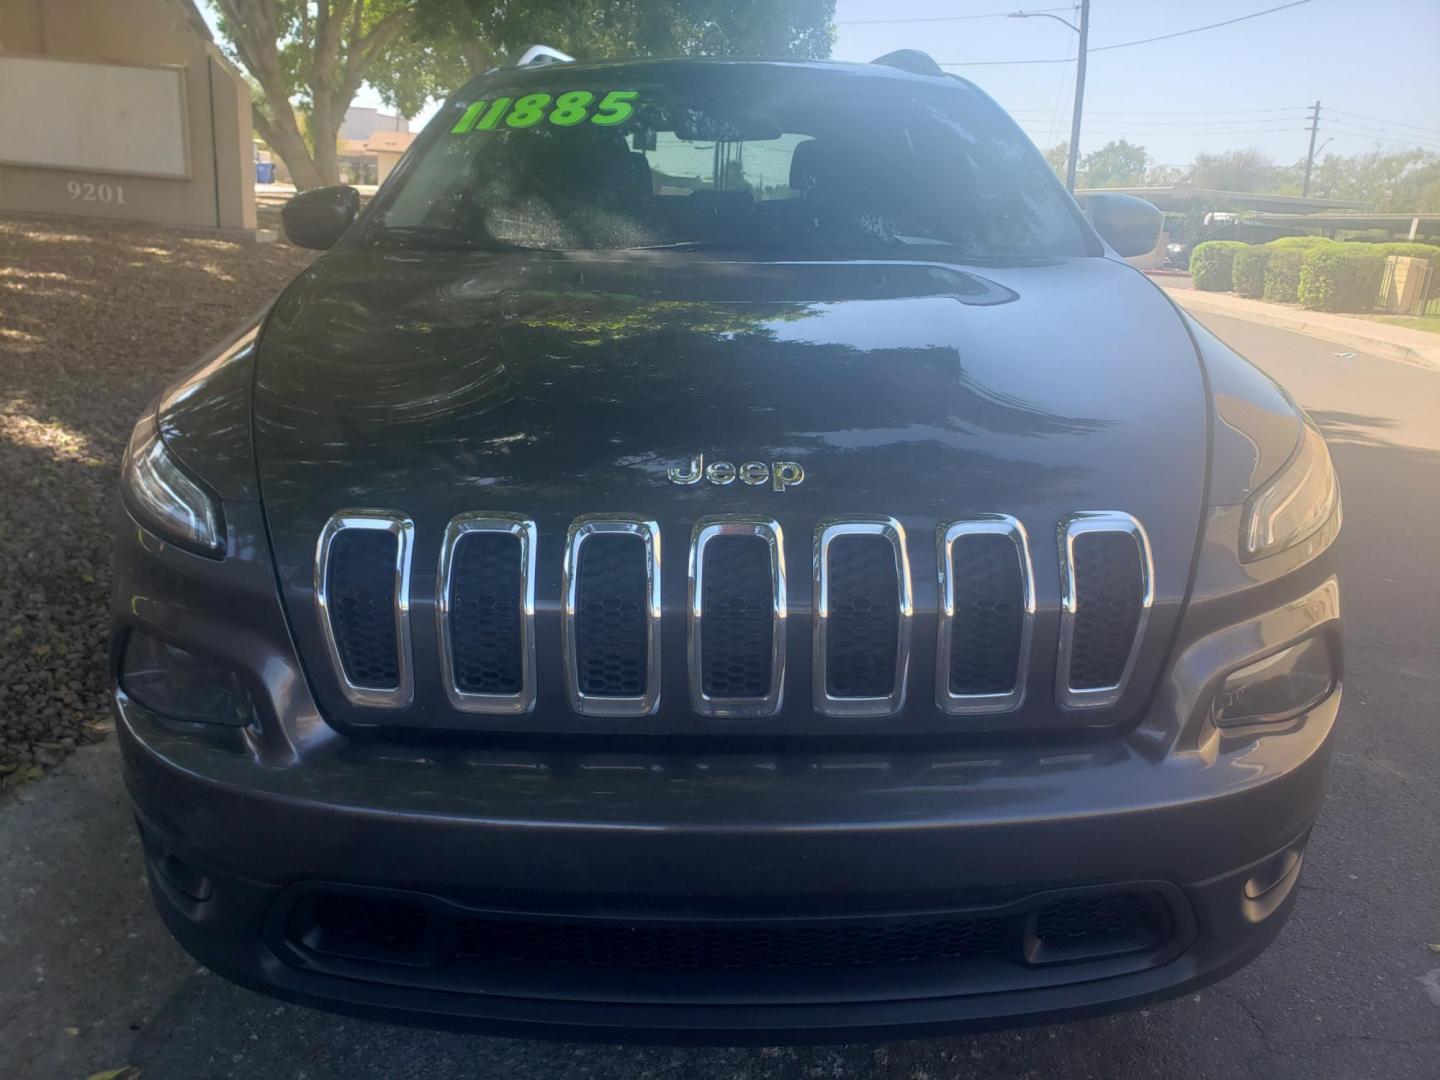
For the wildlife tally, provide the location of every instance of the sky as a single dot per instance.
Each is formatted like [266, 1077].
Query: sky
[1372, 64]
[1375, 59]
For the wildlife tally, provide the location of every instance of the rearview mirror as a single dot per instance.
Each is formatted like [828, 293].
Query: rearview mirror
[320, 216]
[1130, 225]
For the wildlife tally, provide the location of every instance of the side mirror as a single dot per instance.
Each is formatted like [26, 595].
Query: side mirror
[1130, 225]
[320, 216]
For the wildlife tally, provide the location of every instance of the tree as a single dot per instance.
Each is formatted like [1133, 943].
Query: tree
[1057, 156]
[308, 58]
[1234, 170]
[1116, 164]
[316, 52]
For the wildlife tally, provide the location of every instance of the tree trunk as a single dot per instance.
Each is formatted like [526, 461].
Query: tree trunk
[325, 121]
[287, 141]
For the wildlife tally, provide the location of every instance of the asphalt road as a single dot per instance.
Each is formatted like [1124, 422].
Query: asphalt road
[89, 980]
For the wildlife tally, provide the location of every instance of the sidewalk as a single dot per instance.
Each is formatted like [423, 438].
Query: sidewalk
[1381, 339]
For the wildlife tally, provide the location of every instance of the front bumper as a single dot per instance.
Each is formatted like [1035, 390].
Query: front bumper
[636, 840]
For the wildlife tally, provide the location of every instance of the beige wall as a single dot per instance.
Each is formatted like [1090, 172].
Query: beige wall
[220, 190]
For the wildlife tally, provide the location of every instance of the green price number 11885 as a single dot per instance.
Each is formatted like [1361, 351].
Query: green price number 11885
[565, 110]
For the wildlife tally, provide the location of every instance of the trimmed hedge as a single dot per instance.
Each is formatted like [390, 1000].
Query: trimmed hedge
[1297, 242]
[1210, 264]
[1341, 277]
[1248, 271]
[1282, 273]
[1410, 249]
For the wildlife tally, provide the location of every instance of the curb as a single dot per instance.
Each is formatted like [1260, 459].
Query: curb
[1301, 323]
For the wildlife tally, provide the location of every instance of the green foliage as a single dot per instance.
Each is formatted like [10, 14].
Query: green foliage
[1340, 277]
[1057, 156]
[1211, 264]
[1299, 242]
[1282, 274]
[1116, 164]
[1234, 170]
[624, 28]
[1247, 271]
[1411, 250]
[1400, 180]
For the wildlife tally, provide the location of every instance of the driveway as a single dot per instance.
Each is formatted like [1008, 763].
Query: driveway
[1351, 989]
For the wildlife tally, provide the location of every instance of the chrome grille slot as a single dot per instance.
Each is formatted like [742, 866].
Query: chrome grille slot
[987, 595]
[485, 611]
[863, 611]
[1107, 587]
[612, 612]
[737, 613]
[362, 595]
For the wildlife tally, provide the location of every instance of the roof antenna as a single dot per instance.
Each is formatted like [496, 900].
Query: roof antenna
[541, 55]
[911, 60]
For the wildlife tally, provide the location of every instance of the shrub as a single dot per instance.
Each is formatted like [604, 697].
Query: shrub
[1247, 271]
[1410, 249]
[1340, 277]
[1210, 264]
[1300, 242]
[1282, 274]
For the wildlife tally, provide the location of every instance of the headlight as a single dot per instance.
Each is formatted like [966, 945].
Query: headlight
[1297, 502]
[1278, 687]
[167, 501]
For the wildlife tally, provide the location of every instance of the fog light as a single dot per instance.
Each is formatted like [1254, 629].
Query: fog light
[181, 685]
[1278, 687]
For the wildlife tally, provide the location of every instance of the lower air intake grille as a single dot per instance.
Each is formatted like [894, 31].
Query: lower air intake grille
[1109, 589]
[738, 627]
[485, 613]
[610, 616]
[863, 621]
[989, 599]
[360, 588]
[692, 946]
[423, 932]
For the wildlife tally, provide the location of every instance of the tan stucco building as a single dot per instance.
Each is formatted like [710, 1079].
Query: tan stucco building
[120, 109]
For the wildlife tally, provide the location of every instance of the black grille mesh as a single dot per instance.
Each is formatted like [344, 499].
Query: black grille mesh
[989, 614]
[1108, 591]
[385, 927]
[862, 632]
[367, 920]
[485, 613]
[360, 586]
[1089, 916]
[697, 946]
[610, 619]
[737, 631]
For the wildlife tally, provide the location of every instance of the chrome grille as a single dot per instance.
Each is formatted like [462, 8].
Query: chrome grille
[1107, 587]
[612, 615]
[863, 610]
[737, 612]
[485, 609]
[362, 591]
[987, 598]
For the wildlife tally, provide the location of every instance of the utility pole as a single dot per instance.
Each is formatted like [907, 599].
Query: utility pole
[1310, 154]
[1080, 97]
[1073, 158]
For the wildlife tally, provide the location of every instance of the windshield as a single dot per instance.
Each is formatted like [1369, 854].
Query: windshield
[758, 156]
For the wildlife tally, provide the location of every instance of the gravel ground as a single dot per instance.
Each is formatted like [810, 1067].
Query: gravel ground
[94, 317]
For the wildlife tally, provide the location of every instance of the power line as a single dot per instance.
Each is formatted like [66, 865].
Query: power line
[1198, 112]
[1137, 41]
[1197, 29]
[1387, 120]
[950, 18]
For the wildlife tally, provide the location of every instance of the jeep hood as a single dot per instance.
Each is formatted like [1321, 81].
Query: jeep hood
[437, 383]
